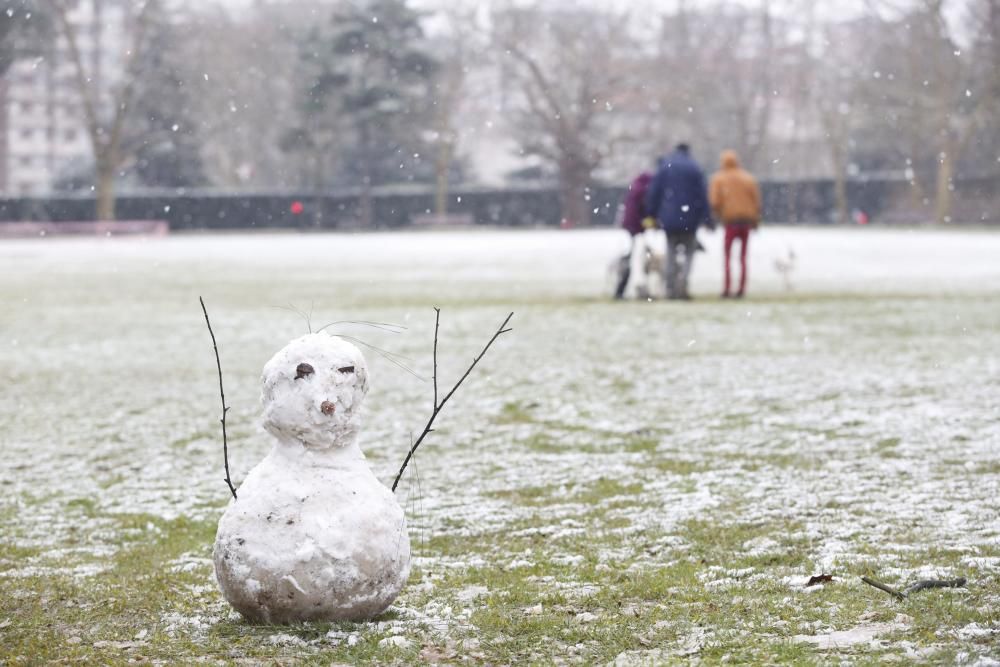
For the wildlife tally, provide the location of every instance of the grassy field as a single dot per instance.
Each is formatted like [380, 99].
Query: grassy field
[619, 483]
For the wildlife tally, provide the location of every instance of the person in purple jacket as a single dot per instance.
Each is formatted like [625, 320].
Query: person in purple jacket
[632, 222]
[678, 198]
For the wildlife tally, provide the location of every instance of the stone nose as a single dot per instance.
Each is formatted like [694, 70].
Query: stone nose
[327, 408]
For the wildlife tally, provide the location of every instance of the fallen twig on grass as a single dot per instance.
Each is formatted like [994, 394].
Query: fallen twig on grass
[934, 583]
[883, 587]
[437, 406]
[923, 584]
[218, 364]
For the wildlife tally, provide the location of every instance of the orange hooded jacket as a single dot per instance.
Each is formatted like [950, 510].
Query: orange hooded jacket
[733, 192]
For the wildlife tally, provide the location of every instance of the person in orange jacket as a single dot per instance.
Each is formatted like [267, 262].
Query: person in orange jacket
[735, 199]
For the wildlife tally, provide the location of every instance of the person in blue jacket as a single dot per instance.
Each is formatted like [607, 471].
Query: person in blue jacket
[678, 199]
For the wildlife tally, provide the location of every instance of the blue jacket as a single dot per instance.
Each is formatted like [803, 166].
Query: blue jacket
[677, 197]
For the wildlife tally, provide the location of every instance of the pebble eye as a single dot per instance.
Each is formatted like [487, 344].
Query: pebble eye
[346, 369]
[303, 370]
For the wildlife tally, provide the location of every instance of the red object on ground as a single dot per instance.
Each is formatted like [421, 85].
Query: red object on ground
[739, 231]
[566, 223]
[296, 208]
[862, 218]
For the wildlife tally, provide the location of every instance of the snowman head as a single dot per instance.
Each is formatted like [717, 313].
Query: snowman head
[312, 391]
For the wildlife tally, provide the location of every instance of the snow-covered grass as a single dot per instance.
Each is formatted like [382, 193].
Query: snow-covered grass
[635, 483]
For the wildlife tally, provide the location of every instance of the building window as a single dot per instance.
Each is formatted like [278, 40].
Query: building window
[27, 107]
[26, 133]
[70, 135]
[25, 160]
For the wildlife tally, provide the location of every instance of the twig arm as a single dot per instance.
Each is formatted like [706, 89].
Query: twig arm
[437, 322]
[222, 393]
[413, 449]
[438, 406]
[501, 330]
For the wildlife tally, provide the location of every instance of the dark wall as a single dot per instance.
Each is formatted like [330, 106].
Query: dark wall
[516, 207]
[975, 200]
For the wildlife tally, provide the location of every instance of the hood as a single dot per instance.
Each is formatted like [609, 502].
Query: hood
[729, 160]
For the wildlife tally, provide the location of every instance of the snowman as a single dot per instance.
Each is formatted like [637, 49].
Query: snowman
[313, 534]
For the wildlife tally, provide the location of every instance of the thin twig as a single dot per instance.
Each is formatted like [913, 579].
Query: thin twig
[923, 584]
[306, 317]
[882, 587]
[225, 442]
[391, 357]
[438, 406]
[934, 583]
[437, 322]
[383, 326]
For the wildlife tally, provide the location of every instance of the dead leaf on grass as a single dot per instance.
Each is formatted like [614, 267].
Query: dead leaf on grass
[819, 579]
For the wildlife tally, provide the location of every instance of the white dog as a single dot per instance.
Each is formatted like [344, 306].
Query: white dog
[645, 267]
[653, 283]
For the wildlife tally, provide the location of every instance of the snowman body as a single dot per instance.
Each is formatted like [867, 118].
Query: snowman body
[313, 534]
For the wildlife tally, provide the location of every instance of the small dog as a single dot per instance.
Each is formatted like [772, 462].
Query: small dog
[653, 285]
[785, 267]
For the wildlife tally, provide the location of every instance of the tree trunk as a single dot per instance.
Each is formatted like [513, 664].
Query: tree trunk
[573, 204]
[105, 190]
[319, 183]
[942, 198]
[442, 163]
[792, 196]
[840, 196]
[840, 202]
[366, 209]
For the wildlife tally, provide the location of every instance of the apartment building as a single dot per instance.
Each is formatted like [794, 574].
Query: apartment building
[43, 133]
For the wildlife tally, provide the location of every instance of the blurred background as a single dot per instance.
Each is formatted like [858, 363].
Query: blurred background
[385, 113]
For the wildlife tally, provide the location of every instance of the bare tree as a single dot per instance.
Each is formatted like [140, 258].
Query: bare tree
[462, 48]
[931, 93]
[247, 95]
[712, 77]
[838, 70]
[565, 74]
[106, 108]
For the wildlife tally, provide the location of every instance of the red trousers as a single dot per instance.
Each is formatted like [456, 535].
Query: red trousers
[741, 231]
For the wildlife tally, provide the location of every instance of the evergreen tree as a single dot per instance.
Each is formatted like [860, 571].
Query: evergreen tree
[164, 138]
[371, 81]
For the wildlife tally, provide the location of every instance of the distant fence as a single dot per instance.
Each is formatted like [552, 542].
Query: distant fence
[975, 200]
[87, 228]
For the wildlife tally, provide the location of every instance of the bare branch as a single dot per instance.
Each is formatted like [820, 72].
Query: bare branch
[923, 584]
[437, 323]
[124, 100]
[502, 329]
[540, 82]
[225, 443]
[87, 95]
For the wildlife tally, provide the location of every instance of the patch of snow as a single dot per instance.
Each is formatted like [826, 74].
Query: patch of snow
[976, 631]
[860, 634]
[470, 593]
[395, 641]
